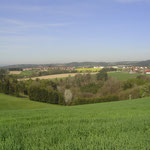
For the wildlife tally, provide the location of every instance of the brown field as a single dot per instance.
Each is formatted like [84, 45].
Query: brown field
[14, 72]
[55, 76]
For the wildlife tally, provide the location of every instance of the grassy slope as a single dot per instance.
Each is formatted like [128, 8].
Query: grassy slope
[10, 102]
[123, 125]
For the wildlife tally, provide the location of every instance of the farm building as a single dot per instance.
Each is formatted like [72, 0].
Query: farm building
[147, 71]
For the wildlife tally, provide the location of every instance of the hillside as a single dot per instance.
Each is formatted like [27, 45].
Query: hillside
[12, 103]
[114, 125]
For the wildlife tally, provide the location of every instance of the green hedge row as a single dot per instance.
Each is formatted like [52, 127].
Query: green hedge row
[96, 100]
[45, 95]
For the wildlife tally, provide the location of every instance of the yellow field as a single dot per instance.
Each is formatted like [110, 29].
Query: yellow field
[89, 69]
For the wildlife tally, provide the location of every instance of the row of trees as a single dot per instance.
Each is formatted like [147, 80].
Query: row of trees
[88, 88]
[81, 89]
[8, 85]
[110, 98]
[42, 91]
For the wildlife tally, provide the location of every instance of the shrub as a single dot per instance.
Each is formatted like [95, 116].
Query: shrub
[130, 93]
[40, 94]
[91, 88]
[128, 84]
[102, 75]
[96, 100]
[110, 87]
[145, 91]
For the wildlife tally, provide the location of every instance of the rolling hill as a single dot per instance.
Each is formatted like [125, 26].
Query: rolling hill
[8, 102]
[123, 125]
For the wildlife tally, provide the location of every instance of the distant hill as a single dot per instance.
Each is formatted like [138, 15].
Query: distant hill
[20, 66]
[82, 64]
[143, 63]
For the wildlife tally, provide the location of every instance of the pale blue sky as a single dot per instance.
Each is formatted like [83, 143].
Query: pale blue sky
[54, 31]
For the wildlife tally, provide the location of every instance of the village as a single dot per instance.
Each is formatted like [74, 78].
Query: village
[119, 68]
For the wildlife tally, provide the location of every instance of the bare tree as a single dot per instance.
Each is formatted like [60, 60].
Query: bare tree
[68, 96]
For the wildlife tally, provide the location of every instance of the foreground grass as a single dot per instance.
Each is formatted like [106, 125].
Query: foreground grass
[12, 103]
[123, 125]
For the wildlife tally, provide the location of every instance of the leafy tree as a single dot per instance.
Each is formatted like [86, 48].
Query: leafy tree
[102, 75]
[128, 84]
[3, 73]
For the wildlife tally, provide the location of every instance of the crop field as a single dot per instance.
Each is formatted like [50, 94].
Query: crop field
[123, 75]
[59, 76]
[123, 125]
[89, 69]
[28, 73]
[53, 76]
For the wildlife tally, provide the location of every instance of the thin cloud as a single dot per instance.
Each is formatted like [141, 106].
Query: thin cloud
[53, 9]
[21, 8]
[29, 24]
[13, 26]
[10, 21]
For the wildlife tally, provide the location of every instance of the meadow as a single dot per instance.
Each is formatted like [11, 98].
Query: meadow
[123, 75]
[8, 102]
[118, 75]
[25, 125]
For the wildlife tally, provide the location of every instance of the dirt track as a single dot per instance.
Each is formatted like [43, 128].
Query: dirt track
[14, 72]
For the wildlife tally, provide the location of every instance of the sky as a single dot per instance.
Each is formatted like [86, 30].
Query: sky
[61, 31]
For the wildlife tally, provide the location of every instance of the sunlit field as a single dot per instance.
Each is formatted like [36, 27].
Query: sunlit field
[88, 69]
[123, 125]
[123, 75]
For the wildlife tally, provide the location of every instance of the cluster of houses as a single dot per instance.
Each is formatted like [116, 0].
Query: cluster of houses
[144, 70]
[130, 69]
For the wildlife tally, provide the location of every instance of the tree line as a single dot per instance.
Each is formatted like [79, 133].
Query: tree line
[81, 89]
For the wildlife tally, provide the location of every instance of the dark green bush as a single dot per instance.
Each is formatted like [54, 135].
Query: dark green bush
[128, 84]
[102, 75]
[130, 93]
[91, 88]
[46, 95]
[96, 100]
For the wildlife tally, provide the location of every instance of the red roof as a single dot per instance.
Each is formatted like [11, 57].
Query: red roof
[147, 71]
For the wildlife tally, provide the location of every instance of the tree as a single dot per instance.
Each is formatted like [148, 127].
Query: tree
[3, 73]
[128, 84]
[6, 86]
[102, 75]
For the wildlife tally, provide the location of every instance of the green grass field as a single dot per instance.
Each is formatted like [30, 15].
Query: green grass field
[26, 125]
[12, 103]
[122, 75]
